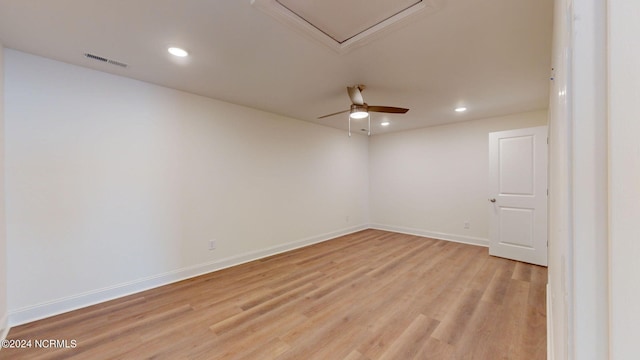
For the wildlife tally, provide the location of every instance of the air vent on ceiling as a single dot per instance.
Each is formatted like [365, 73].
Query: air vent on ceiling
[105, 60]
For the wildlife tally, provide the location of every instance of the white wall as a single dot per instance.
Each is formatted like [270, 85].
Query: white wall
[624, 177]
[4, 327]
[430, 181]
[115, 185]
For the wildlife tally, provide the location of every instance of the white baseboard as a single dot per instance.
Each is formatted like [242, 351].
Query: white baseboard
[434, 235]
[51, 308]
[59, 306]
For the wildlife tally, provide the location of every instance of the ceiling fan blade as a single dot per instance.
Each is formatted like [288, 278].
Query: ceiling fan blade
[388, 109]
[339, 112]
[355, 95]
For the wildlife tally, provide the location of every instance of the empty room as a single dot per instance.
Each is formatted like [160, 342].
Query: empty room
[288, 179]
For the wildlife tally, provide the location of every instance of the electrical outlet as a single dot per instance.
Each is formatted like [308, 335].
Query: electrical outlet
[212, 244]
[466, 224]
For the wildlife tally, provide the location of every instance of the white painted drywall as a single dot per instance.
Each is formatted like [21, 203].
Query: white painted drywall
[4, 327]
[430, 181]
[114, 185]
[624, 177]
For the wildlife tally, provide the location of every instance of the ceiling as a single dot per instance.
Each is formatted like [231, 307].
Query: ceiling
[492, 56]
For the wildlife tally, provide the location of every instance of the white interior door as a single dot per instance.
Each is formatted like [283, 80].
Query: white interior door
[518, 194]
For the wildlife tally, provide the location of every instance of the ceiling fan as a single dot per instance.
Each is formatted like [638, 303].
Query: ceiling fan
[360, 109]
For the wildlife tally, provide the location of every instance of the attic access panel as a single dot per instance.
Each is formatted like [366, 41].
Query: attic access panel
[341, 20]
[343, 24]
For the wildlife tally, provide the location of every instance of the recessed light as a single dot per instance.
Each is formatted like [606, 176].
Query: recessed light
[461, 109]
[385, 123]
[175, 51]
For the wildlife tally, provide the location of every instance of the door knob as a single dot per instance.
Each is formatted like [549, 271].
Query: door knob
[492, 200]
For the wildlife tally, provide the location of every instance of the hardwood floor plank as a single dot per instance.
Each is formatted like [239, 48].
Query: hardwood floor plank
[365, 296]
[443, 289]
[456, 321]
[434, 349]
[497, 288]
[483, 277]
[270, 350]
[355, 355]
[508, 324]
[522, 272]
[265, 295]
[409, 343]
[252, 338]
[479, 332]
[538, 290]
[399, 257]
[243, 318]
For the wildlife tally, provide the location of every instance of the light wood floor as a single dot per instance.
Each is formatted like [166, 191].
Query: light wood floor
[368, 295]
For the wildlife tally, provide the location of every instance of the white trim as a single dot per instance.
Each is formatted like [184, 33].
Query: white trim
[624, 174]
[70, 303]
[471, 240]
[4, 325]
[550, 347]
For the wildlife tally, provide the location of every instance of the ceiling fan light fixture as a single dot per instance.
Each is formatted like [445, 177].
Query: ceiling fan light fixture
[358, 111]
[359, 114]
